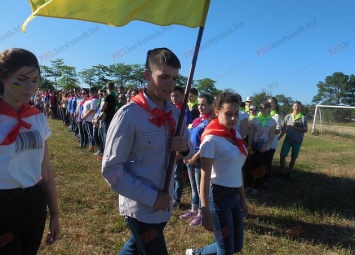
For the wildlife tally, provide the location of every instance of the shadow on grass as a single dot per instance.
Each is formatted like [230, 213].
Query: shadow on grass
[315, 194]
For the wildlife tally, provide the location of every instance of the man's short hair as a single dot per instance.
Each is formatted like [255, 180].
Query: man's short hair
[93, 89]
[194, 91]
[111, 85]
[160, 56]
[180, 89]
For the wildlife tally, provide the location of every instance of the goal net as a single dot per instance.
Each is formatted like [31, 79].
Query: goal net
[330, 118]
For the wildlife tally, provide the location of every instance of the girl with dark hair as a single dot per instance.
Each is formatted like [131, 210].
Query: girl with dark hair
[27, 184]
[205, 103]
[223, 202]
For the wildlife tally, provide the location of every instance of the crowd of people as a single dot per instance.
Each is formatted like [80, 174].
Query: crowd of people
[225, 149]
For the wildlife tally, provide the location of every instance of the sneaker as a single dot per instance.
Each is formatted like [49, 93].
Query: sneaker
[188, 215]
[196, 221]
[190, 252]
[98, 153]
[100, 158]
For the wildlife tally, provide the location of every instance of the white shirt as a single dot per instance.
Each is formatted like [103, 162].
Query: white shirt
[90, 105]
[20, 162]
[275, 142]
[227, 160]
[242, 116]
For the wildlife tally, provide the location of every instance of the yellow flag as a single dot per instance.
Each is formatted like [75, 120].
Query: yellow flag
[35, 4]
[191, 13]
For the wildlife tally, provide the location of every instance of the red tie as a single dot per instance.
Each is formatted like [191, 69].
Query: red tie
[215, 128]
[160, 115]
[26, 111]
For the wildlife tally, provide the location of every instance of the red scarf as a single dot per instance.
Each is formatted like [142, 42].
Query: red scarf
[179, 105]
[215, 128]
[160, 115]
[203, 117]
[25, 112]
[82, 102]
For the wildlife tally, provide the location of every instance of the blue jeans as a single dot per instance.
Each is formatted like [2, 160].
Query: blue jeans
[146, 239]
[179, 180]
[89, 130]
[104, 128]
[228, 227]
[83, 134]
[195, 177]
[97, 138]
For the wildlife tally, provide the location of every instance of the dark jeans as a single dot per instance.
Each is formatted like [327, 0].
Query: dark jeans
[22, 219]
[104, 129]
[256, 169]
[179, 180]
[228, 227]
[97, 138]
[89, 130]
[83, 134]
[146, 239]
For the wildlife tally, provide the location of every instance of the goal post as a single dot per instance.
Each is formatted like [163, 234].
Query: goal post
[317, 110]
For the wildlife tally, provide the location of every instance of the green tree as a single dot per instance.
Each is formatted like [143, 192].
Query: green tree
[206, 85]
[88, 76]
[69, 78]
[337, 89]
[44, 82]
[182, 81]
[257, 98]
[228, 90]
[285, 104]
[349, 98]
[137, 77]
[55, 70]
[101, 74]
[120, 73]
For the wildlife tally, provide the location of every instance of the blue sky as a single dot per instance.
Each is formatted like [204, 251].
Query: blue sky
[281, 46]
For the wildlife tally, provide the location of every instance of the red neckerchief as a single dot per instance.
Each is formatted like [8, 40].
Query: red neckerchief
[160, 115]
[203, 117]
[82, 102]
[215, 128]
[179, 106]
[25, 112]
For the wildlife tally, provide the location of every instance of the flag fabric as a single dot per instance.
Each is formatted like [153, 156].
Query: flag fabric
[35, 4]
[191, 13]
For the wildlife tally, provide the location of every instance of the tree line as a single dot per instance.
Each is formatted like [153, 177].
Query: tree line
[336, 89]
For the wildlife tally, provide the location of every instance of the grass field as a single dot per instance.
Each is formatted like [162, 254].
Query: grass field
[312, 213]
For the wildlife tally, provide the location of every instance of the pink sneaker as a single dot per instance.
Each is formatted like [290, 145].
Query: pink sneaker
[196, 221]
[188, 215]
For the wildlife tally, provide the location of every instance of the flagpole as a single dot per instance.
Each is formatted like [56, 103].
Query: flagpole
[183, 109]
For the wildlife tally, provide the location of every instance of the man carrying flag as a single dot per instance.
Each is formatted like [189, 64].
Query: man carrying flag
[137, 151]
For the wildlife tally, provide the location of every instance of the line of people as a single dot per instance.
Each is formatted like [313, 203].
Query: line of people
[136, 155]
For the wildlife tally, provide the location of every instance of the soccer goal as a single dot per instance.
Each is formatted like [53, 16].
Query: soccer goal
[334, 118]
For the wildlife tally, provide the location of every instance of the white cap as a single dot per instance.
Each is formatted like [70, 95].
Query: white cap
[248, 99]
